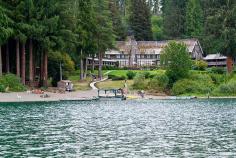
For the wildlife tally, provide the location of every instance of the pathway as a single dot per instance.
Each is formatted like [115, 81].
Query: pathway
[92, 85]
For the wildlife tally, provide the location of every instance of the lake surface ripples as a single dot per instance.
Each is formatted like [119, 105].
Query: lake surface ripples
[186, 128]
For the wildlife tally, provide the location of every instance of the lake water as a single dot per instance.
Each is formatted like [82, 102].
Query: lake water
[186, 128]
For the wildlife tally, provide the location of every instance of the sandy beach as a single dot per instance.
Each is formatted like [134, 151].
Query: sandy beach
[29, 97]
[81, 96]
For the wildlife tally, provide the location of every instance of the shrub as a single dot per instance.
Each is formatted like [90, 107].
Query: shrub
[116, 78]
[152, 75]
[200, 65]
[130, 75]
[218, 70]
[195, 84]
[217, 78]
[2, 88]
[228, 88]
[159, 82]
[11, 82]
[187, 86]
[146, 74]
[201, 77]
[139, 81]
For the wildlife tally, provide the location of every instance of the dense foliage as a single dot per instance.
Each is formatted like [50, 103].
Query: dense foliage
[175, 59]
[159, 83]
[195, 84]
[200, 65]
[57, 59]
[140, 20]
[11, 83]
[130, 75]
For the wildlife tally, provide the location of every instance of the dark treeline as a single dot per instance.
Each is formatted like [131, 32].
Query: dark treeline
[32, 30]
[213, 22]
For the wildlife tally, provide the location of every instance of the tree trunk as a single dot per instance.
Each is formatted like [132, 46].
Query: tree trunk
[17, 57]
[31, 63]
[42, 69]
[229, 64]
[100, 66]
[0, 60]
[93, 64]
[81, 65]
[86, 68]
[7, 59]
[45, 80]
[23, 64]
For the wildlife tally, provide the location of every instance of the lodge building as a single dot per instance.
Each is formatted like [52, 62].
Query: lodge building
[132, 53]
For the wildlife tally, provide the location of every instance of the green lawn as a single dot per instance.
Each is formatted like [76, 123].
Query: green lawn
[82, 85]
[113, 84]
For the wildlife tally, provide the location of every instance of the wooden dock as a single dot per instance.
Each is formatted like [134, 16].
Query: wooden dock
[111, 93]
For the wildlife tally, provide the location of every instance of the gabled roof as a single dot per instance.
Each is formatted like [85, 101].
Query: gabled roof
[156, 45]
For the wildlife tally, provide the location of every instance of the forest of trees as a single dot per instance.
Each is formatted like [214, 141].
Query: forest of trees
[30, 30]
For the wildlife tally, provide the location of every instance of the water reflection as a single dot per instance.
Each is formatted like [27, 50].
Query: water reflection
[119, 129]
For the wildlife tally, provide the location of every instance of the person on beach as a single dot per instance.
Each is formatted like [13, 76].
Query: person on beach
[141, 93]
[125, 89]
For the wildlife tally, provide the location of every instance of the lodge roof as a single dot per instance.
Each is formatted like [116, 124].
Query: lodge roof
[157, 45]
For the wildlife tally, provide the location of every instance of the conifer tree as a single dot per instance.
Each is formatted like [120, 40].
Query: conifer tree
[117, 23]
[104, 35]
[194, 18]
[85, 30]
[174, 18]
[140, 20]
[5, 31]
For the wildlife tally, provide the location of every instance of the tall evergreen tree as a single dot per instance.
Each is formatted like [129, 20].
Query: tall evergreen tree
[194, 19]
[117, 23]
[140, 20]
[5, 31]
[85, 27]
[104, 32]
[174, 18]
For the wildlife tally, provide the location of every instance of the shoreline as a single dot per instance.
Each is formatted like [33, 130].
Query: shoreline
[24, 97]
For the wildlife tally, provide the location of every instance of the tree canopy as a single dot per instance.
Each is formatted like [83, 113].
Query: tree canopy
[175, 58]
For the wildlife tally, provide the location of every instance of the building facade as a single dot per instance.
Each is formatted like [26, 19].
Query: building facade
[216, 60]
[132, 53]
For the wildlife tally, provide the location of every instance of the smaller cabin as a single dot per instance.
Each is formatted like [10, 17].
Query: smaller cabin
[216, 60]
